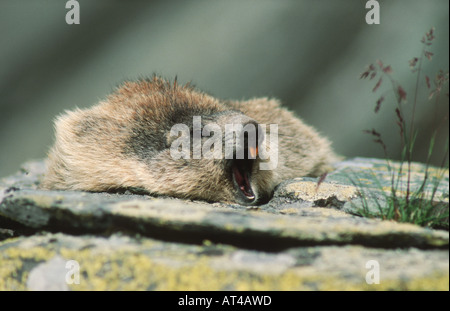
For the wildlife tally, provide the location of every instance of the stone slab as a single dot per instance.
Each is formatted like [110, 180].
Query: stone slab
[122, 262]
[305, 238]
[178, 220]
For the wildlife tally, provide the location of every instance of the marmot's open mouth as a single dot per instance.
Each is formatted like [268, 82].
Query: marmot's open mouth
[241, 171]
[241, 175]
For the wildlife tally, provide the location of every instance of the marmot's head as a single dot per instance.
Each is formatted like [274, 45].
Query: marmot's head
[129, 141]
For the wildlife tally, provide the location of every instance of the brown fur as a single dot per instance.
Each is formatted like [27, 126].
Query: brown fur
[123, 143]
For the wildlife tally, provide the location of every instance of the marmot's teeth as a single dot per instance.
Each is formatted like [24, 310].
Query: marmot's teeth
[253, 152]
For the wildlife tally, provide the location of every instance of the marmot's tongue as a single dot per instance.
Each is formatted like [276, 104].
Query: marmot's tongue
[241, 178]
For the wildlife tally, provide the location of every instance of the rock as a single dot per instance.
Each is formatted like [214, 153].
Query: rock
[306, 237]
[6, 233]
[121, 262]
[178, 220]
[325, 194]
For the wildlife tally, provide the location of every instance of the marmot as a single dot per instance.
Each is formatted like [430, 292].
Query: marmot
[124, 141]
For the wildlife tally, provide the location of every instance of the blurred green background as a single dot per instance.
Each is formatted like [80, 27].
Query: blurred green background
[307, 53]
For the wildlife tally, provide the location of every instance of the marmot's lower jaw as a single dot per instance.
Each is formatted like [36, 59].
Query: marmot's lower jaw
[241, 171]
